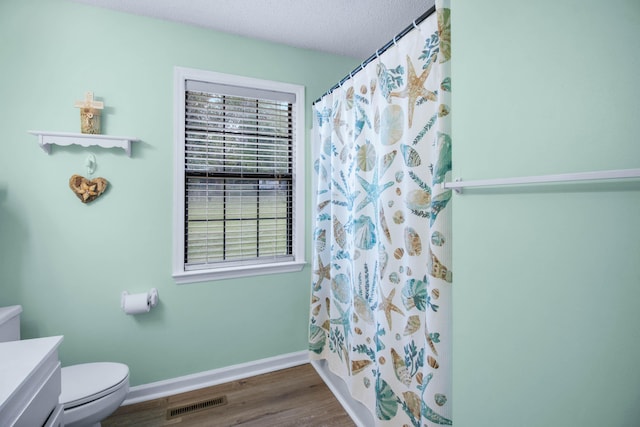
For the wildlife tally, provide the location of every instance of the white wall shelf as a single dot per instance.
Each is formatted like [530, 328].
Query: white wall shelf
[46, 139]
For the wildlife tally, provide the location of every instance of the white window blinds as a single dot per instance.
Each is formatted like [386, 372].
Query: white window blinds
[238, 175]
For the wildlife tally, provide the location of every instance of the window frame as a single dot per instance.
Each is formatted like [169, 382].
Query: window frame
[232, 270]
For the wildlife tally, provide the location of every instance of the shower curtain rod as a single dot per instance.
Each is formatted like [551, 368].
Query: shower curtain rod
[380, 51]
[458, 185]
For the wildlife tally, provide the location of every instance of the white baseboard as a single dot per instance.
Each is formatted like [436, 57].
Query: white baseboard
[159, 389]
[359, 413]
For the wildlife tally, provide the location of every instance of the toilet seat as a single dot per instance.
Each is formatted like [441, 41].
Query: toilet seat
[87, 382]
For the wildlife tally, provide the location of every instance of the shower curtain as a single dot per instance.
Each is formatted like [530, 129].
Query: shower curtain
[381, 282]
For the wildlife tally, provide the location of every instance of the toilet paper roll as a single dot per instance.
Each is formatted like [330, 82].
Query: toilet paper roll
[135, 303]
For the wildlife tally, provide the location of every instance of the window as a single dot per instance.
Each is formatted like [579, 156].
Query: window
[239, 182]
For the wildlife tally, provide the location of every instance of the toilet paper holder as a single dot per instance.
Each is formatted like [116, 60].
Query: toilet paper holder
[152, 297]
[151, 300]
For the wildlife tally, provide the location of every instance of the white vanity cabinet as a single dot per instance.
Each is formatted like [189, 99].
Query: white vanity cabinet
[30, 383]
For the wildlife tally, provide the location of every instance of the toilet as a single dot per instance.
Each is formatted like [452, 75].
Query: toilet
[90, 391]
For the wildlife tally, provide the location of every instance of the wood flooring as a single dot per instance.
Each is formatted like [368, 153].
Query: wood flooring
[290, 397]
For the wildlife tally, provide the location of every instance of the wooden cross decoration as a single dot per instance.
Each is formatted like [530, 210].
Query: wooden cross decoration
[89, 102]
[89, 114]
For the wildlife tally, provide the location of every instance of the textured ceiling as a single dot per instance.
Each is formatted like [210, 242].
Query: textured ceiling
[355, 28]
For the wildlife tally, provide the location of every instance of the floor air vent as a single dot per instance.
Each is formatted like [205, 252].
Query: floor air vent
[196, 407]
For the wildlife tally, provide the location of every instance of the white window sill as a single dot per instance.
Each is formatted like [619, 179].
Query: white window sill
[184, 277]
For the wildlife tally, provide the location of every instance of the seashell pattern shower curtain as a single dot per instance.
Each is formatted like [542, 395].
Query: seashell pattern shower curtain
[381, 282]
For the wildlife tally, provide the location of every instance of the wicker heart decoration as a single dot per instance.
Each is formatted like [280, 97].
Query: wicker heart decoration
[87, 190]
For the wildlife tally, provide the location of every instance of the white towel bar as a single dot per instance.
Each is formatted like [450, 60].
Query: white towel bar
[458, 185]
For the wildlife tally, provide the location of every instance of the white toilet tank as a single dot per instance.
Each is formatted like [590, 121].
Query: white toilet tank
[10, 323]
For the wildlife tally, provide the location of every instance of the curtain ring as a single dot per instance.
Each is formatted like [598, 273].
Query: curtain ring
[415, 26]
[377, 58]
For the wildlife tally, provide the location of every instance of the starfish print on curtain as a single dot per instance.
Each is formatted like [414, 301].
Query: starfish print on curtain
[415, 89]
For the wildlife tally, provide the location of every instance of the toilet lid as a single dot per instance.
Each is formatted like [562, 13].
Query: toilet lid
[89, 381]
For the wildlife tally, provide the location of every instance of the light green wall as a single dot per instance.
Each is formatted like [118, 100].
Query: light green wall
[67, 263]
[547, 278]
